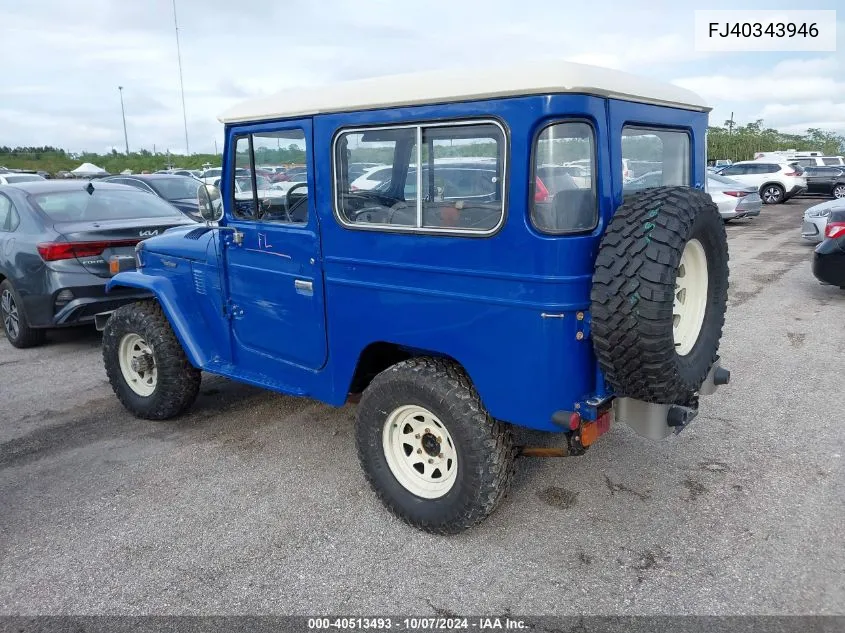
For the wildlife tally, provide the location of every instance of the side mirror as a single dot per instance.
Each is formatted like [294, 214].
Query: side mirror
[209, 202]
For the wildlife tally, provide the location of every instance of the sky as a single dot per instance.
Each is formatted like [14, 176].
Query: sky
[61, 62]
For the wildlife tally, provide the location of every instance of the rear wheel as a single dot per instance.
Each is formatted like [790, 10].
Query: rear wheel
[659, 294]
[839, 191]
[15, 324]
[146, 365]
[430, 450]
[772, 194]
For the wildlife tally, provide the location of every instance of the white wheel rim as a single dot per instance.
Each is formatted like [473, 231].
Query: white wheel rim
[690, 303]
[839, 192]
[137, 364]
[420, 452]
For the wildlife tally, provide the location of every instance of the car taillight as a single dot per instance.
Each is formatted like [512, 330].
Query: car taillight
[834, 229]
[55, 251]
[792, 173]
[736, 194]
[541, 194]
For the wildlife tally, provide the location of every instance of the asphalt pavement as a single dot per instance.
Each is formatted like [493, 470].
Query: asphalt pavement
[255, 502]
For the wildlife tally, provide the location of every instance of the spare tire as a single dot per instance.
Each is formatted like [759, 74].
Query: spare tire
[659, 294]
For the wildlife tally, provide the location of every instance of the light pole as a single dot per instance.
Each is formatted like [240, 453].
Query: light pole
[123, 113]
[181, 83]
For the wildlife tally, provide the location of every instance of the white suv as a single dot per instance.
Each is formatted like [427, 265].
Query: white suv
[776, 182]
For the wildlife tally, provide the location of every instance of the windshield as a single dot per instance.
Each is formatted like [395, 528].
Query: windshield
[102, 204]
[21, 178]
[176, 188]
[212, 173]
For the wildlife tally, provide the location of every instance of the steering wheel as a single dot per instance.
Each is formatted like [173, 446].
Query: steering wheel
[289, 208]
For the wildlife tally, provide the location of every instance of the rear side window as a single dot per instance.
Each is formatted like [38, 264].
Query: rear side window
[422, 177]
[806, 162]
[832, 160]
[8, 216]
[564, 196]
[769, 169]
[655, 157]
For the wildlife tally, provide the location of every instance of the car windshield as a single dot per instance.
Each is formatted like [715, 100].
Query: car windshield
[102, 204]
[244, 183]
[22, 178]
[175, 188]
[212, 173]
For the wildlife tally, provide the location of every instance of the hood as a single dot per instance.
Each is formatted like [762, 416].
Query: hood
[185, 242]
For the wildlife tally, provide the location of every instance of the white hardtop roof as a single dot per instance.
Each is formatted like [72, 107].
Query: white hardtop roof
[444, 86]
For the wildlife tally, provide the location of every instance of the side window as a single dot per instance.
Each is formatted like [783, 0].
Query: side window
[806, 162]
[256, 197]
[459, 170]
[9, 219]
[831, 160]
[768, 169]
[462, 177]
[564, 196]
[733, 170]
[657, 157]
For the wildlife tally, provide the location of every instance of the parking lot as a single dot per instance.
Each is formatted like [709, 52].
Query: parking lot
[255, 502]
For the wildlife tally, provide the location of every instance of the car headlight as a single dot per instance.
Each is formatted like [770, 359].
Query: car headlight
[139, 255]
[821, 213]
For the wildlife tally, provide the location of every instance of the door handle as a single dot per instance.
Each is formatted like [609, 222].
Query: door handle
[303, 286]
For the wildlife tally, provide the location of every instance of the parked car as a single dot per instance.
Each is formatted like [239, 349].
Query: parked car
[775, 182]
[829, 256]
[825, 181]
[180, 191]
[449, 318]
[56, 237]
[12, 178]
[733, 199]
[815, 219]
[803, 158]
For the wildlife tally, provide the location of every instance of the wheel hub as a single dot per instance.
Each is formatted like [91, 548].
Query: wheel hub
[143, 363]
[690, 305]
[430, 445]
[420, 452]
[137, 364]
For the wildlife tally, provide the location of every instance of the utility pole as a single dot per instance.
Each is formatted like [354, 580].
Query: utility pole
[215, 147]
[730, 123]
[123, 113]
[181, 83]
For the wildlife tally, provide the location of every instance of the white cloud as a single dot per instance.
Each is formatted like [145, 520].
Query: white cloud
[76, 54]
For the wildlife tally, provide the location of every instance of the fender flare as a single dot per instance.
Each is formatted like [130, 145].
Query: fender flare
[164, 292]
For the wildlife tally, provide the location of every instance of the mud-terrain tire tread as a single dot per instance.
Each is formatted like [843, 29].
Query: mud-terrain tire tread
[27, 336]
[178, 381]
[485, 446]
[633, 294]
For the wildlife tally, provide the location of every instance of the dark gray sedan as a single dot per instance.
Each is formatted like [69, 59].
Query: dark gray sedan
[56, 238]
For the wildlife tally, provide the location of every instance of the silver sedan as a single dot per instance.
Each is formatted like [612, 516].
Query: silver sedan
[734, 199]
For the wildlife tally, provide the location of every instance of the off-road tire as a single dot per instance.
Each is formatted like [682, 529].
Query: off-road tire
[781, 197]
[634, 290]
[178, 381]
[484, 445]
[26, 336]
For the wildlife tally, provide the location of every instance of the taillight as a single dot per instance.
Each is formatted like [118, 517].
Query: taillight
[792, 173]
[834, 229]
[541, 194]
[736, 194]
[54, 251]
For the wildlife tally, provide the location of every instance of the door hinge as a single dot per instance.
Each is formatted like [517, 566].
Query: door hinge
[230, 310]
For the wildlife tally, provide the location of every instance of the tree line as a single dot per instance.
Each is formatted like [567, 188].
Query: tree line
[723, 142]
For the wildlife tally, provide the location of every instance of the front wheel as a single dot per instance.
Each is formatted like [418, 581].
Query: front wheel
[429, 449]
[145, 363]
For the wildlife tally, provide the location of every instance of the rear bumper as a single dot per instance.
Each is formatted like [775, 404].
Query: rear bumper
[812, 229]
[829, 263]
[796, 190]
[86, 296]
[82, 311]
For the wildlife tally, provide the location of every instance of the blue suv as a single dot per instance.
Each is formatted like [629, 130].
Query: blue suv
[463, 295]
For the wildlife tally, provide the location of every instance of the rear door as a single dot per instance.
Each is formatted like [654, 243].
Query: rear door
[274, 274]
